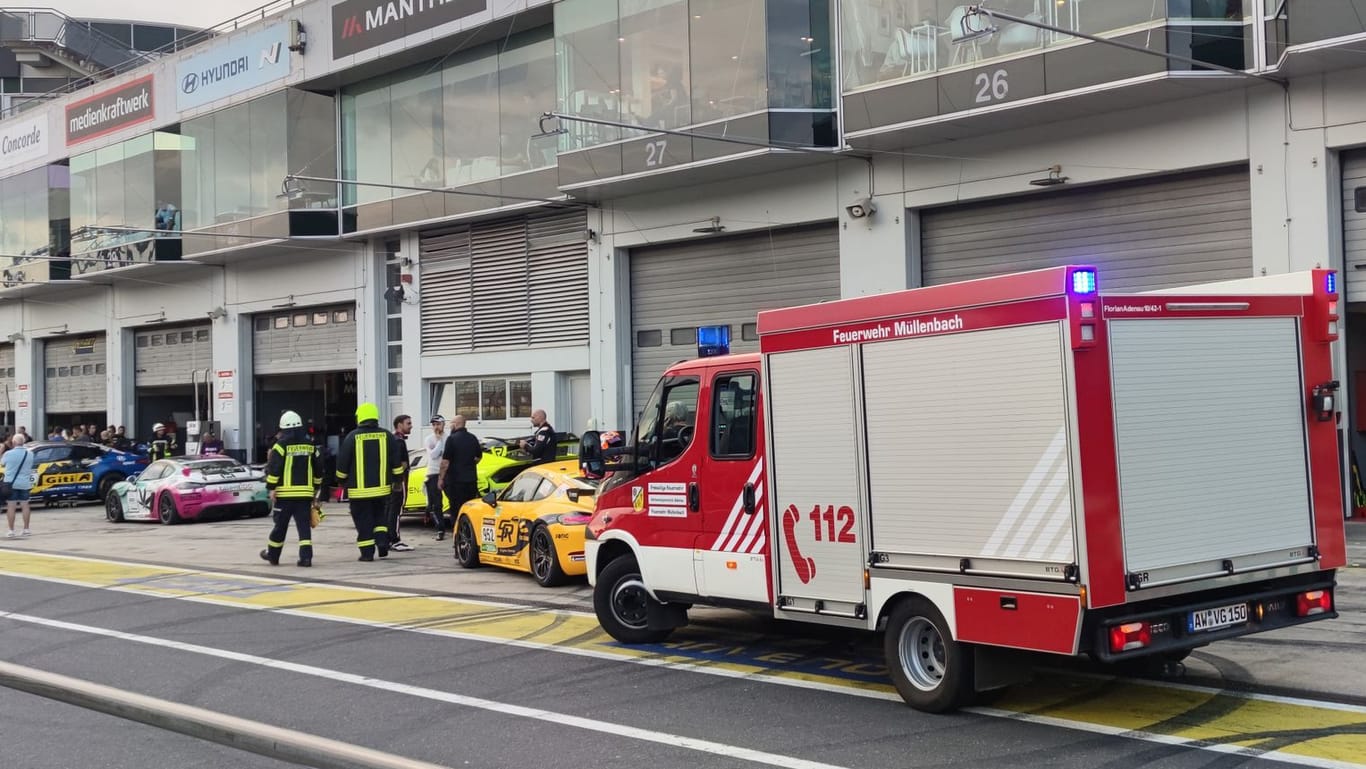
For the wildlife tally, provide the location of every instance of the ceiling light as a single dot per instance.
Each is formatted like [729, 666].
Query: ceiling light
[1054, 178]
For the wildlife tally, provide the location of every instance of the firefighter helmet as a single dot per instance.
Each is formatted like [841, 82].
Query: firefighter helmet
[367, 412]
[290, 420]
[611, 440]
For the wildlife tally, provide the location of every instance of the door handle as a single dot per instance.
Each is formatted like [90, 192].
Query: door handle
[748, 497]
[694, 498]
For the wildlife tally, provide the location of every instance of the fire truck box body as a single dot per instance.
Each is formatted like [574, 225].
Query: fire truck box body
[1049, 468]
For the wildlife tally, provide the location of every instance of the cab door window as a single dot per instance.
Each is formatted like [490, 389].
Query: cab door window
[733, 427]
[666, 427]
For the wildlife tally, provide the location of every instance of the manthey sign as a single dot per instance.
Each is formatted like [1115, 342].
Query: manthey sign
[233, 67]
[359, 25]
[23, 140]
[109, 111]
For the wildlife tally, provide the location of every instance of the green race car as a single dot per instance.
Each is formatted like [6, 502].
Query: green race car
[503, 459]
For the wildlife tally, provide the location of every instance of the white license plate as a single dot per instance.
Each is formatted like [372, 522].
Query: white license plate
[1219, 616]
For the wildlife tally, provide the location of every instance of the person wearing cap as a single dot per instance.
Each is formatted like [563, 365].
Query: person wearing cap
[370, 461]
[436, 443]
[294, 473]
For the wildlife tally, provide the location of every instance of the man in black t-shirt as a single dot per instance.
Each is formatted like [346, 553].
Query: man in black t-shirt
[459, 466]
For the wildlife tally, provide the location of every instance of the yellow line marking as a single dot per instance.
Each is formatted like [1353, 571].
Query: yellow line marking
[1299, 731]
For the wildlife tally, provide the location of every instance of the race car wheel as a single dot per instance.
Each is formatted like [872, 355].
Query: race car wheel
[166, 510]
[623, 604]
[931, 671]
[113, 509]
[545, 563]
[107, 483]
[466, 549]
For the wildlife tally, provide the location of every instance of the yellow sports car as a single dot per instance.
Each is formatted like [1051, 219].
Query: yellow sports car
[502, 461]
[535, 525]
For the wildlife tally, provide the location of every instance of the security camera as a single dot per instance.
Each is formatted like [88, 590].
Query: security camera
[861, 208]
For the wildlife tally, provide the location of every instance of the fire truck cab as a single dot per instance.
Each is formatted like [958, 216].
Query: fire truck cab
[1014, 464]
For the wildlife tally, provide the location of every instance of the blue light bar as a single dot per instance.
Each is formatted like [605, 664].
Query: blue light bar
[712, 341]
[1084, 282]
[1330, 282]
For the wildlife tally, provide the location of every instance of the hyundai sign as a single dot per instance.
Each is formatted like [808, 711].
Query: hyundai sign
[235, 66]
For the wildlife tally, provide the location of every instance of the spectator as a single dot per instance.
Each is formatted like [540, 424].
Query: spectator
[19, 465]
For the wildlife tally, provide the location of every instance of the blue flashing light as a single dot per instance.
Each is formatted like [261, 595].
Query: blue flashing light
[1084, 282]
[1330, 282]
[713, 341]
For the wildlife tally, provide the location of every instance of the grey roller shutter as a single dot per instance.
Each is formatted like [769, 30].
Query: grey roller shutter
[722, 281]
[447, 325]
[303, 340]
[510, 283]
[557, 259]
[74, 374]
[9, 394]
[166, 355]
[1354, 224]
[1148, 234]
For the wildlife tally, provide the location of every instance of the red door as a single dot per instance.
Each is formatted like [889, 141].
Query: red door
[732, 544]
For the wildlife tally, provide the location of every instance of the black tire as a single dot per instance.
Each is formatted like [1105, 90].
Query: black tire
[107, 484]
[466, 549]
[113, 509]
[545, 562]
[931, 671]
[166, 510]
[622, 603]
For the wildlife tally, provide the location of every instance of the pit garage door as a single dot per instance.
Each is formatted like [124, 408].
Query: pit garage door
[9, 393]
[721, 281]
[165, 356]
[303, 340]
[1154, 233]
[74, 374]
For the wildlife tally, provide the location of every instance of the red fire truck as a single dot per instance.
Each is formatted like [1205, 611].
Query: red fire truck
[988, 468]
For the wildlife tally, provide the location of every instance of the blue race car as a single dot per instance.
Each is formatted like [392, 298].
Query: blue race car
[68, 471]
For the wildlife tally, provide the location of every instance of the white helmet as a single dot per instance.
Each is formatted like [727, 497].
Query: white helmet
[290, 420]
[158, 426]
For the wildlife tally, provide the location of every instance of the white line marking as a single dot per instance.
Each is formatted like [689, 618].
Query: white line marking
[479, 703]
[1167, 739]
[721, 672]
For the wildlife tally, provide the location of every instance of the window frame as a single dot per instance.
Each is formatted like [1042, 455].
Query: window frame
[712, 437]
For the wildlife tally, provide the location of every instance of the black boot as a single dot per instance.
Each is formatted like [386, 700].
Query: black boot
[305, 562]
[266, 556]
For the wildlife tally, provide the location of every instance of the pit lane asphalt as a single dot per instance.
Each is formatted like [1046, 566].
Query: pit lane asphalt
[1293, 665]
[827, 727]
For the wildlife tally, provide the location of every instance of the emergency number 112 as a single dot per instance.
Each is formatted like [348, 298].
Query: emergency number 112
[845, 515]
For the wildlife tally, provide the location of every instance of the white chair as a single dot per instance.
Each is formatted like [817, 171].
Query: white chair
[966, 51]
[1020, 37]
[912, 51]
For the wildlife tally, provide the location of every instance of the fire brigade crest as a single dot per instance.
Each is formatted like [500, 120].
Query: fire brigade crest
[638, 498]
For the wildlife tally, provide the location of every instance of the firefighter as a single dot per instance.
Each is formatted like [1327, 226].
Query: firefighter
[162, 445]
[294, 473]
[369, 463]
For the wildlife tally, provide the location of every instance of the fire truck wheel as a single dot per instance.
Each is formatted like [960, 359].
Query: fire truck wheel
[466, 549]
[623, 605]
[931, 671]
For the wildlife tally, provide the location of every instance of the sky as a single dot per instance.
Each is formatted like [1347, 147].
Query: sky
[198, 13]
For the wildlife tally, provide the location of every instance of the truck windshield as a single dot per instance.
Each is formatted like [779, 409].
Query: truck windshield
[667, 422]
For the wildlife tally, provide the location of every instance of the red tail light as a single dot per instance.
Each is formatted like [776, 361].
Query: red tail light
[1313, 602]
[1133, 635]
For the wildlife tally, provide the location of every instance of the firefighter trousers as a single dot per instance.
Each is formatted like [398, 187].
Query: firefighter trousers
[372, 530]
[300, 511]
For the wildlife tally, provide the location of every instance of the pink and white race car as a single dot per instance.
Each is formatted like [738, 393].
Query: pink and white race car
[188, 489]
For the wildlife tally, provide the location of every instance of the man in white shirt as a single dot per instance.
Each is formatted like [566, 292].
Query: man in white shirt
[436, 442]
